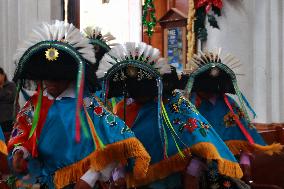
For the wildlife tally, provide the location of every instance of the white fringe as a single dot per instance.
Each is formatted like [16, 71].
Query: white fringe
[95, 33]
[137, 51]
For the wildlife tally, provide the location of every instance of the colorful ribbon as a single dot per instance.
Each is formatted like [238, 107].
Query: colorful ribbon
[238, 122]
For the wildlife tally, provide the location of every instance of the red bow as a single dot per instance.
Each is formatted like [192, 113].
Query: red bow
[208, 4]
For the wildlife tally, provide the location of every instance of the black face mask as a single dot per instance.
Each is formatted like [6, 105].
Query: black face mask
[218, 84]
[142, 88]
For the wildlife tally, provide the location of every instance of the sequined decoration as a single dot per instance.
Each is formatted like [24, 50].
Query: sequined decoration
[191, 124]
[99, 111]
[174, 108]
[119, 76]
[143, 75]
[229, 120]
[204, 129]
[110, 119]
[125, 129]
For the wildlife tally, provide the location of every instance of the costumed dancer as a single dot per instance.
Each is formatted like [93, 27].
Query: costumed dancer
[64, 135]
[166, 123]
[3, 154]
[210, 86]
[102, 44]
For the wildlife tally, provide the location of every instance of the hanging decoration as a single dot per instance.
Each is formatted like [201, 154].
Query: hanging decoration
[204, 8]
[149, 20]
[190, 33]
[105, 1]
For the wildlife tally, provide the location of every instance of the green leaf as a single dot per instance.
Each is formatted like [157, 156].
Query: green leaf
[216, 10]
[212, 21]
[202, 34]
[203, 132]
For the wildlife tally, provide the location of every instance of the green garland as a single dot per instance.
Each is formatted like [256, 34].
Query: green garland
[149, 9]
[199, 23]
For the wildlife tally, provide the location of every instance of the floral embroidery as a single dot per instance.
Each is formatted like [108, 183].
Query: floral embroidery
[191, 124]
[125, 129]
[174, 108]
[240, 113]
[188, 127]
[229, 119]
[110, 119]
[204, 129]
[177, 121]
[99, 110]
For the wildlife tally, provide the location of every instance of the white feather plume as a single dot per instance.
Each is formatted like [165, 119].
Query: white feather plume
[58, 31]
[203, 58]
[96, 33]
[146, 54]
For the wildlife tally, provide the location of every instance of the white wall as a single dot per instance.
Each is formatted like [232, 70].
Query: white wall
[122, 18]
[252, 30]
[17, 18]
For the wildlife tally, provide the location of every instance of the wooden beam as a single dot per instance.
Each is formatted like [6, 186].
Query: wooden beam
[74, 12]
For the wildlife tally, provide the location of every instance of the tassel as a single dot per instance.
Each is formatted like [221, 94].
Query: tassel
[37, 111]
[162, 131]
[84, 126]
[33, 132]
[97, 141]
[173, 133]
[166, 144]
[238, 93]
[80, 91]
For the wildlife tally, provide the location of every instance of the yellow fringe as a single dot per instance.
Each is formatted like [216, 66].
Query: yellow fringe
[3, 148]
[118, 152]
[176, 163]
[160, 170]
[225, 167]
[237, 146]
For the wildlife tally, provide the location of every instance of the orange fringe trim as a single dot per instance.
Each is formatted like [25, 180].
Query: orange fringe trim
[176, 163]
[118, 152]
[3, 148]
[237, 146]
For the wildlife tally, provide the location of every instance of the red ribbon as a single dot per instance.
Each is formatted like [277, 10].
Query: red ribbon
[78, 110]
[238, 122]
[208, 4]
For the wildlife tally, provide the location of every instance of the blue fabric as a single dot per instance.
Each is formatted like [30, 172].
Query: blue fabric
[146, 130]
[2, 138]
[56, 145]
[110, 101]
[217, 114]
